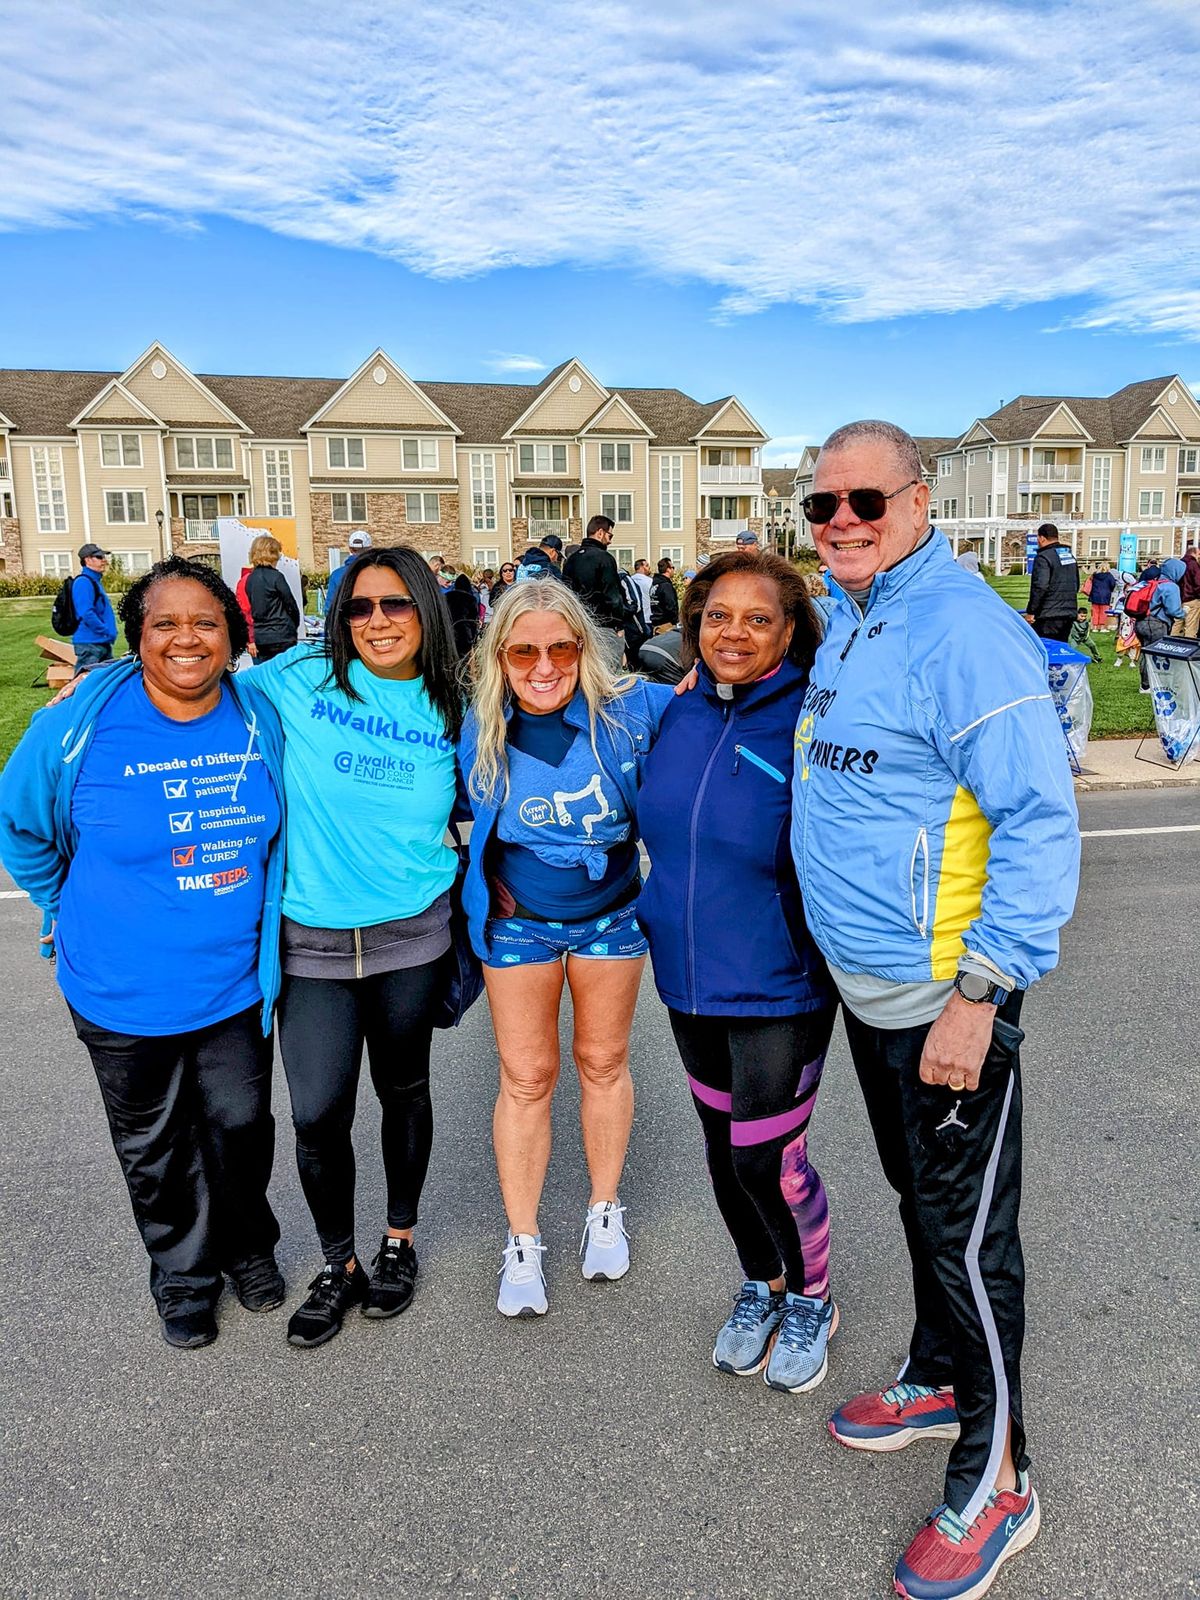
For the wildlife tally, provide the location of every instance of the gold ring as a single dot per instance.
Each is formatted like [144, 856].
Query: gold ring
[957, 1086]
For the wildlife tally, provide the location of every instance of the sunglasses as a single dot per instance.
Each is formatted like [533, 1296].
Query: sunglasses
[868, 505]
[503, 570]
[395, 607]
[563, 653]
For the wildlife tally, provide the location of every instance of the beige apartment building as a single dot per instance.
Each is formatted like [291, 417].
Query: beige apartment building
[144, 461]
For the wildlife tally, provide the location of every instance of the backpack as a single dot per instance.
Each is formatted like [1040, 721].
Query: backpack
[64, 618]
[1138, 601]
[633, 603]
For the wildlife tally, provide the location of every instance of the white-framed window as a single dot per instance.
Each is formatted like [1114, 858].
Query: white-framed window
[56, 563]
[134, 562]
[617, 506]
[345, 453]
[1150, 503]
[486, 556]
[6, 505]
[542, 457]
[1058, 502]
[124, 505]
[723, 507]
[989, 453]
[624, 555]
[204, 454]
[950, 509]
[972, 457]
[1154, 458]
[546, 507]
[670, 493]
[49, 491]
[1002, 505]
[720, 458]
[423, 507]
[1097, 545]
[672, 553]
[1189, 458]
[120, 450]
[616, 458]
[419, 455]
[970, 506]
[483, 491]
[1149, 544]
[987, 506]
[945, 466]
[348, 507]
[933, 510]
[200, 507]
[277, 471]
[1101, 489]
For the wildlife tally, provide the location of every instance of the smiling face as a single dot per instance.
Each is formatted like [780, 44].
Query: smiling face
[387, 646]
[540, 686]
[855, 551]
[184, 646]
[744, 633]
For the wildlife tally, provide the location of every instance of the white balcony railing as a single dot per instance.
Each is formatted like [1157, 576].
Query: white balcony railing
[540, 527]
[4, 473]
[1071, 473]
[730, 474]
[727, 527]
[196, 531]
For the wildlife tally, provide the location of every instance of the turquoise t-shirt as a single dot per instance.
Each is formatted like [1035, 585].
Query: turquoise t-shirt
[369, 786]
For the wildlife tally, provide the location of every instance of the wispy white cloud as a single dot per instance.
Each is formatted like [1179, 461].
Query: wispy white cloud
[501, 361]
[784, 450]
[898, 158]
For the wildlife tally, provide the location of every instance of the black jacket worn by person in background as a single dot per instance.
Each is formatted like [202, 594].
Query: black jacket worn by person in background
[463, 605]
[1053, 585]
[592, 573]
[664, 602]
[274, 609]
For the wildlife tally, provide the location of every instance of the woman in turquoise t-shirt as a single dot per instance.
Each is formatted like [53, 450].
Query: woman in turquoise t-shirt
[370, 721]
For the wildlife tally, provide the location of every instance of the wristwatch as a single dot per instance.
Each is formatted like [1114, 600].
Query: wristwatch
[976, 989]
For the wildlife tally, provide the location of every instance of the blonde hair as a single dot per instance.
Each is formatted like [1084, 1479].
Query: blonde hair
[488, 778]
[265, 551]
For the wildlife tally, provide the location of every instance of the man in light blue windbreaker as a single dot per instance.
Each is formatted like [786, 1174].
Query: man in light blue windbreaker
[937, 845]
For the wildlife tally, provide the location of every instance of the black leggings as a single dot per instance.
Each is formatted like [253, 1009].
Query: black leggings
[323, 1024]
[754, 1083]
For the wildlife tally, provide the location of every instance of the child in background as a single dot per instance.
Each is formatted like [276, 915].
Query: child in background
[1081, 635]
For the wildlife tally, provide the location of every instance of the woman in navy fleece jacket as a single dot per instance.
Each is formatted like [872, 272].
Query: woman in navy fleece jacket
[750, 1002]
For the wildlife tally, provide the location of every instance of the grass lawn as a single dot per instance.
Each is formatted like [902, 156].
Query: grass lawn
[1120, 711]
[21, 666]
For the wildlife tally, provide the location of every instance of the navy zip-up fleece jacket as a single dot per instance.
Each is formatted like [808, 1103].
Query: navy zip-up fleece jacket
[721, 907]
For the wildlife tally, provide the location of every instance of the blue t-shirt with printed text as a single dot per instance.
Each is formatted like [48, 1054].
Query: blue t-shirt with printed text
[370, 786]
[159, 921]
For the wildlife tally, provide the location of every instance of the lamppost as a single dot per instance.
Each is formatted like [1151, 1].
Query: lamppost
[158, 517]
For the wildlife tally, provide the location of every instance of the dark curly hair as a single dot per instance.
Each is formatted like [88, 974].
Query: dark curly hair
[437, 659]
[793, 597]
[133, 605]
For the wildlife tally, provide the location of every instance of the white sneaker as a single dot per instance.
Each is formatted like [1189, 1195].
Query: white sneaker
[604, 1246]
[522, 1286]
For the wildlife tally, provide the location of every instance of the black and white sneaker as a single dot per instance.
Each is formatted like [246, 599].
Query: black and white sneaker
[331, 1294]
[394, 1278]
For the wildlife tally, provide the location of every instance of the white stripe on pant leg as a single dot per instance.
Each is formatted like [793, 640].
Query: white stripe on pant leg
[1000, 1425]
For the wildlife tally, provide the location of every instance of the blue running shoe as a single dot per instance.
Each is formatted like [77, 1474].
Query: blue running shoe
[744, 1341]
[800, 1360]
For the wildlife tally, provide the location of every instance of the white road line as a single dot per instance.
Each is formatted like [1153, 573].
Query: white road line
[13, 894]
[1124, 833]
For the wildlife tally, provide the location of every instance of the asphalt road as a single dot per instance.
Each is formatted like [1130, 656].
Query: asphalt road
[597, 1451]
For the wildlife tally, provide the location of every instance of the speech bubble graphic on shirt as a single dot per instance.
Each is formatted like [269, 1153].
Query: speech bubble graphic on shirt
[180, 821]
[175, 788]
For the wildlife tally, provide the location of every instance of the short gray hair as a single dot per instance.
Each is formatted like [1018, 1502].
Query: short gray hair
[902, 445]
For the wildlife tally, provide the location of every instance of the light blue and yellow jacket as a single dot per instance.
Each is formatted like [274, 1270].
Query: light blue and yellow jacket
[933, 808]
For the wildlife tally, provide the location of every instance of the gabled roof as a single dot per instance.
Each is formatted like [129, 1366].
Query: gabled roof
[137, 410]
[615, 400]
[539, 389]
[779, 481]
[931, 447]
[42, 403]
[201, 388]
[711, 431]
[1111, 420]
[380, 358]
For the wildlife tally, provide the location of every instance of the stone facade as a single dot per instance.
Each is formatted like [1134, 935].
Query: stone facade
[388, 526]
[520, 536]
[703, 536]
[190, 549]
[10, 544]
[575, 530]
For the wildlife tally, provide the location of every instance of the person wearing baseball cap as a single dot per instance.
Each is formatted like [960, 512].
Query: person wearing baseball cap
[96, 631]
[747, 540]
[358, 541]
[542, 560]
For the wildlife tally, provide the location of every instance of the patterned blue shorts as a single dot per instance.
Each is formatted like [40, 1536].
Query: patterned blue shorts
[527, 942]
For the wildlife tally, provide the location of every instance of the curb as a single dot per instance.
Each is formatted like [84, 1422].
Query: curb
[1086, 785]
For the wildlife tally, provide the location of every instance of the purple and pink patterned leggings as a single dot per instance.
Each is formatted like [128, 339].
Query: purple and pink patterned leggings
[754, 1083]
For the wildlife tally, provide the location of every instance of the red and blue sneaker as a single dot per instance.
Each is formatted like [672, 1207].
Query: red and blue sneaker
[953, 1560]
[890, 1420]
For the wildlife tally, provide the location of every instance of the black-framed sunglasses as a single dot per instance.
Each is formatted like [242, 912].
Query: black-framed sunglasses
[395, 607]
[868, 505]
[505, 569]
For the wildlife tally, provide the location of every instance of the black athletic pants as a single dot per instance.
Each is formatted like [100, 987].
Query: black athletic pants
[754, 1083]
[190, 1118]
[1054, 627]
[323, 1024]
[955, 1161]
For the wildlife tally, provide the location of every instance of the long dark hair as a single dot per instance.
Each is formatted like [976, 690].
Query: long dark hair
[437, 659]
[793, 597]
[133, 603]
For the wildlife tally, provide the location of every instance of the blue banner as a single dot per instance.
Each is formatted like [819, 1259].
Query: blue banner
[1127, 560]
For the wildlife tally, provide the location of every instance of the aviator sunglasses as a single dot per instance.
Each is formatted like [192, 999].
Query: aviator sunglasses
[868, 505]
[562, 653]
[395, 607]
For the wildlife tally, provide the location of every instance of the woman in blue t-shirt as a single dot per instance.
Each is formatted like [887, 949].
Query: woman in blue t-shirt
[370, 719]
[143, 819]
[552, 755]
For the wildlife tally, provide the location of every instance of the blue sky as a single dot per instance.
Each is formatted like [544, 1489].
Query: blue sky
[916, 214]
